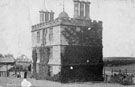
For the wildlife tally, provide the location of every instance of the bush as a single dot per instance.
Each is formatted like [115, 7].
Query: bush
[123, 79]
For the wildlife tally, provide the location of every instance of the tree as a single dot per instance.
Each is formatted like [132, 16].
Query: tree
[1, 56]
[8, 56]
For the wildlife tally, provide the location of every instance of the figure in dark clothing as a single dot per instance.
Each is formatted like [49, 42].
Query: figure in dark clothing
[25, 74]
[18, 76]
[29, 67]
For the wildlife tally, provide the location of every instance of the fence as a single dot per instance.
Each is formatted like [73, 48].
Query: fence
[119, 76]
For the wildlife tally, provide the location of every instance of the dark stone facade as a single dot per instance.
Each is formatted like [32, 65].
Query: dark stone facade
[81, 73]
[82, 64]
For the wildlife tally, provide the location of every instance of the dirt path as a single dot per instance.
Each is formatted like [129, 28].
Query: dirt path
[15, 82]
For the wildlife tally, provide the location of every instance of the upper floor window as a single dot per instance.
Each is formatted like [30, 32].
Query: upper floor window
[51, 34]
[38, 36]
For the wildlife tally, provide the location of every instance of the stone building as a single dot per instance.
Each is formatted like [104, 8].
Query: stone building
[65, 48]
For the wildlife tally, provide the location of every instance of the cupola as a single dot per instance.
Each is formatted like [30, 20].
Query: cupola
[63, 15]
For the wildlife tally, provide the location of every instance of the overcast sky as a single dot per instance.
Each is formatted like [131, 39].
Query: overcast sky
[17, 16]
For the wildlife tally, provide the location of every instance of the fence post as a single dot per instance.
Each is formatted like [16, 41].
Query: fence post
[126, 71]
[112, 71]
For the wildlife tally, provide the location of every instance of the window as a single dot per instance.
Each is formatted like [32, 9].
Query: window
[44, 36]
[51, 34]
[51, 53]
[38, 36]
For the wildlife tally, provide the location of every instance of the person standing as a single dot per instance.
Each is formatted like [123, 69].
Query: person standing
[25, 74]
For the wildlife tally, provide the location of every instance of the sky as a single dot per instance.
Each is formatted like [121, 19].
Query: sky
[17, 17]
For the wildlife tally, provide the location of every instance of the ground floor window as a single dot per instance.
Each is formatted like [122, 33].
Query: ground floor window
[53, 70]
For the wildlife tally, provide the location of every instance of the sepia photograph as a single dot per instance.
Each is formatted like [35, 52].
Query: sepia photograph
[67, 43]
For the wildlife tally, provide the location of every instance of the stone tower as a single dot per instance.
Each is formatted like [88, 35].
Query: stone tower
[67, 48]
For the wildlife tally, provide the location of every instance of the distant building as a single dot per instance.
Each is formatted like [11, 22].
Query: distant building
[67, 48]
[22, 66]
[5, 65]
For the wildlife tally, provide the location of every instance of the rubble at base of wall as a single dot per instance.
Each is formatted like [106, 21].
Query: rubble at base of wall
[57, 78]
[89, 79]
[54, 78]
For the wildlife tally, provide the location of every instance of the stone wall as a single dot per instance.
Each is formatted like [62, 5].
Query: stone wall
[75, 56]
[81, 63]
[81, 55]
[43, 70]
[90, 35]
[81, 73]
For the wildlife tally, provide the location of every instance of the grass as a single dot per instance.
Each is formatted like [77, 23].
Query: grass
[15, 82]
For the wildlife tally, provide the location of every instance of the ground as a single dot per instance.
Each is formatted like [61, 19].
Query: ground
[15, 82]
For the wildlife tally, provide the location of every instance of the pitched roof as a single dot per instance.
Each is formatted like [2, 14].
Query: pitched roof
[7, 60]
[23, 60]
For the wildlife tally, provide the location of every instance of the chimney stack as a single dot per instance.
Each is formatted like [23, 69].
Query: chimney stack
[51, 16]
[87, 10]
[82, 3]
[81, 9]
[76, 8]
[41, 16]
[46, 16]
